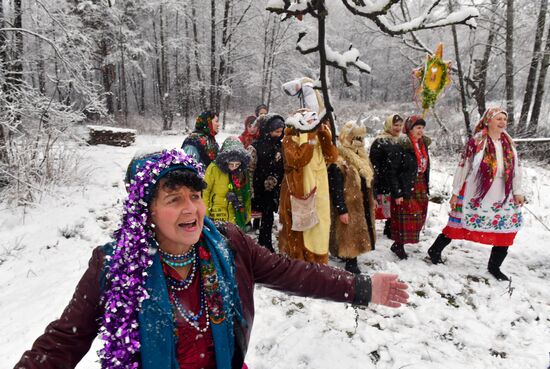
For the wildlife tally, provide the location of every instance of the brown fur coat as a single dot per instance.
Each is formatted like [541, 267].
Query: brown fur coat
[359, 235]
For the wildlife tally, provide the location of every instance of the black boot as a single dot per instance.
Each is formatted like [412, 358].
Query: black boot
[352, 267]
[387, 228]
[399, 250]
[498, 254]
[435, 251]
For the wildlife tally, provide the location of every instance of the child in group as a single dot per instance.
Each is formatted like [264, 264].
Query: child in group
[228, 196]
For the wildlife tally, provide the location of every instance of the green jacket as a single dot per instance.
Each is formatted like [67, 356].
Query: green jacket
[215, 196]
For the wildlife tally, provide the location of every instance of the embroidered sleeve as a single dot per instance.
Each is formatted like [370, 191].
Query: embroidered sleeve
[463, 167]
[518, 177]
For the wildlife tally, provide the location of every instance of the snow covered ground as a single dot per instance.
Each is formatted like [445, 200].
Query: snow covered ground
[458, 316]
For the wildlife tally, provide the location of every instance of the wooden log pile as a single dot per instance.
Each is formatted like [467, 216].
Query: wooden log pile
[112, 136]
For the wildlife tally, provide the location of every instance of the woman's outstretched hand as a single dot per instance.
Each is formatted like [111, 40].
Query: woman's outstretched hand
[388, 291]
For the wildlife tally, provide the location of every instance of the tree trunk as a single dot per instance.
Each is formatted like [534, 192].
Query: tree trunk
[167, 117]
[135, 88]
[275, 35]
[321, 11]
[142, 90]
[119, 95]
[268, 37]
[213, 69]
[539, 95]
[3, 63]
[16, 70]
[124, 87]
[159, 75]
[187, 90]
[222, 69]
[461, 80]
[480, 74]
[176, 49]
[107, 74]
[531, 78]
[510, 63]
[202, 96]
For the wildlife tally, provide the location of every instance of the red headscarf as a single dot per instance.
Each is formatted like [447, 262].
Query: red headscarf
[247, 138]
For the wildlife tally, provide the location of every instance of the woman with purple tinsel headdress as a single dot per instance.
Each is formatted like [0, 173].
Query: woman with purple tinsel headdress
[174, 290]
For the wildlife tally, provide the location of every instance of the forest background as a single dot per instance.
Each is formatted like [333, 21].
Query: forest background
[154, 65]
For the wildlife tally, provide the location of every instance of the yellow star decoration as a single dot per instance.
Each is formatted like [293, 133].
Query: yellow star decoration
[433, 77]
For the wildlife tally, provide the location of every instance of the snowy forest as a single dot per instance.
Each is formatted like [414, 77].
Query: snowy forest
[154, 65]
[150, 67]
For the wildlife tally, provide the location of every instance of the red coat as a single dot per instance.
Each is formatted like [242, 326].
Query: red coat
[69, 338]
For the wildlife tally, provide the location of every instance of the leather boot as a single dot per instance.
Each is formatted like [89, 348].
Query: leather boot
[399, 250]
[352, 267]
[387, 228]
[439, 244]
[498, 254]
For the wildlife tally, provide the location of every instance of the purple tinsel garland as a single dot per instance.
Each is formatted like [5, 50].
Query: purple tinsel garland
[129, 262]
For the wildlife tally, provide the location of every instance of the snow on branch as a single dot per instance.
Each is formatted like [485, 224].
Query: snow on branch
[433, 17]
[302, 48]
[343, 61]
[296, 8]
[334, 58]
[366, 8]
[58, 52]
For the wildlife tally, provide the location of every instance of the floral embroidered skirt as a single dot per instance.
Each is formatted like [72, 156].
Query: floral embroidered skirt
[489, 221]
[408, 218]
[383, 206]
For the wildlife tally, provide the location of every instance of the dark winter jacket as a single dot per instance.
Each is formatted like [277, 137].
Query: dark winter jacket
[269, 171]
[336, 185]
[67, 339]
[383, 153]
[404, 172]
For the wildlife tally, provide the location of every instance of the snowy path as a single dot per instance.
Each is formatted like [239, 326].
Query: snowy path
[458, 316]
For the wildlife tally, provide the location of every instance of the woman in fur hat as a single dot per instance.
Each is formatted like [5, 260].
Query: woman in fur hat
[383, 151]
[176, 290]
[353, 221]
[487, 197]
[201, 143]
[268, 175]
[411, 178]
[227, 196]
[307, 150]
[251, 131]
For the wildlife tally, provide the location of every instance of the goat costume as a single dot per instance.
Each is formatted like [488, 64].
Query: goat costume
[351, 179]
[307, 149]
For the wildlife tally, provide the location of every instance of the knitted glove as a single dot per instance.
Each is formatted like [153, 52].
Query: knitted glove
[233, 199]
[270, 183]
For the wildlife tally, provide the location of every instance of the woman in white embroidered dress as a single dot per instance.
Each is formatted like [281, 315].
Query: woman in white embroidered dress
[487, 198]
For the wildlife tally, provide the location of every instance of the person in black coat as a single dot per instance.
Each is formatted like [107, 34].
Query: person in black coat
[383, 151]
[411, 177]
[268, 175]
